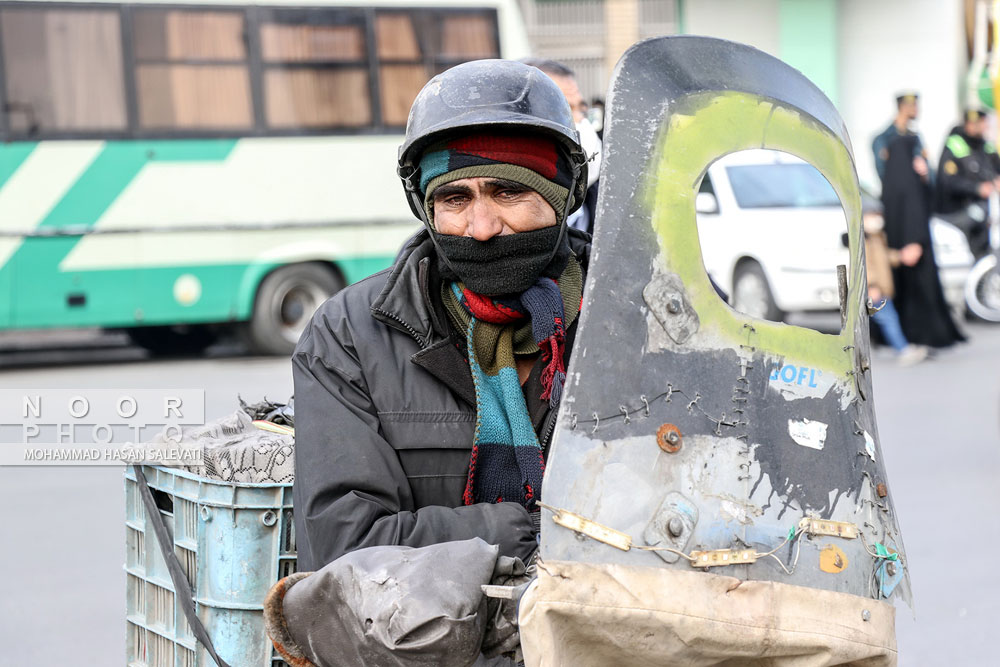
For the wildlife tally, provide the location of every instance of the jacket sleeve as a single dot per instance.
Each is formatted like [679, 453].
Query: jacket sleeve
[994, 158]
[879, 151]
[953, 181]
[350, 489]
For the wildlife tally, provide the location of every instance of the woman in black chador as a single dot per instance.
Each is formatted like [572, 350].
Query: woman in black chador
[906, 198]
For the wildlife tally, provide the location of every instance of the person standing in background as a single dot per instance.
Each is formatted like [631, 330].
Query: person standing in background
[906, 200]
[879, 260]
[969, 174]
[565, 78]
[907, 111]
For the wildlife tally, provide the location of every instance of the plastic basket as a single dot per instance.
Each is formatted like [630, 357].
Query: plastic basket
[233, 542]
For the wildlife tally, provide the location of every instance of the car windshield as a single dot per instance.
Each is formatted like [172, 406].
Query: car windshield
[780, 185]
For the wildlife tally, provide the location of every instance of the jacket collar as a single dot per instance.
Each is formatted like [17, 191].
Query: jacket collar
[406, 302]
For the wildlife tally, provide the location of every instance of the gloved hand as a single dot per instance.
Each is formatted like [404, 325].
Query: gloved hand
[510, 579]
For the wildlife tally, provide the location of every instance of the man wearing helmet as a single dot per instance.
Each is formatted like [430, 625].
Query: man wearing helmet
[426, 394]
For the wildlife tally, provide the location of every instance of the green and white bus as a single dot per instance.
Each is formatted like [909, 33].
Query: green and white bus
[170, 168]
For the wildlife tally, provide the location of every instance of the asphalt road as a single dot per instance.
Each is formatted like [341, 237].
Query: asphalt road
[64, 538]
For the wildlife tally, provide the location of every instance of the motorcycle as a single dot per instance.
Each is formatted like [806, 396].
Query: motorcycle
[982, 286]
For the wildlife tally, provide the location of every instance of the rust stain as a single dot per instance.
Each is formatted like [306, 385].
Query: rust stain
[669, 438]
[832, 559]
[881, 490]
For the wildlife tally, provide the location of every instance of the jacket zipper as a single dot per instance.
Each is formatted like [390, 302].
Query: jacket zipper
[413, 333]
[550, 427]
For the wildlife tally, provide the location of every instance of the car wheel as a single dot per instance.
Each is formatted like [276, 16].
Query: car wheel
[286, 301]
[752, 293]
[167, 341]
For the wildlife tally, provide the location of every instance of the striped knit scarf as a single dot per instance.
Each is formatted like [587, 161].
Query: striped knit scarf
[506, 463]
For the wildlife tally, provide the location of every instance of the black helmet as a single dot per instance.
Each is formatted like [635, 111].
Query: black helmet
[489, 94]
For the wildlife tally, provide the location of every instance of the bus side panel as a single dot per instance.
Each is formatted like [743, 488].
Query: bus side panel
[48, 297]
[351, 269]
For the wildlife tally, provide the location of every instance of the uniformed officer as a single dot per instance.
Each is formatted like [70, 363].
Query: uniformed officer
[969, 174]
[907, 110]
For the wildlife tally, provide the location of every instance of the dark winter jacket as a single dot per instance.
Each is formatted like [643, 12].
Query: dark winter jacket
[965, 163]
[385, 413]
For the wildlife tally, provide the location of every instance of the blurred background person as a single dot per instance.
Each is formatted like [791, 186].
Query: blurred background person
[906, 200]
[907, 111]
[596, 116]
[564, 77]
[881, 289]
[968, 173]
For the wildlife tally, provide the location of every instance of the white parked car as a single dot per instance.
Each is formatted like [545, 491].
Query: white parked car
[773, 232]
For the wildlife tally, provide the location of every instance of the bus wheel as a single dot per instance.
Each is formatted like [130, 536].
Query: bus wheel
[165, 341]
[286, 300]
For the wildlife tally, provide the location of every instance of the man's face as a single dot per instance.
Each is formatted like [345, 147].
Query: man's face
[976, 128]
[909, 109]
[484, 207]
[571, 91]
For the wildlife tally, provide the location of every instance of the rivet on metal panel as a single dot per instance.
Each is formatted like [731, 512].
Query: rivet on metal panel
[671, 526]
[206, 513]
[268, 518]
[668, 437]
[881, 490]
[667, 300]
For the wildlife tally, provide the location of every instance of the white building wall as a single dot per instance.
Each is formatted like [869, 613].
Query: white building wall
[884, 46]
[891, 45]
[753, 22]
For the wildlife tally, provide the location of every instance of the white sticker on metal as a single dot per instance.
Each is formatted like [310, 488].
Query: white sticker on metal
[869, 445]
[807, 433]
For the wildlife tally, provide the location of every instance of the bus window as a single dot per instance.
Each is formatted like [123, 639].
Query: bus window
[402, 72]
[191, 69]
[415, 45]
[467, 36]
[315, 70]
[63, 70]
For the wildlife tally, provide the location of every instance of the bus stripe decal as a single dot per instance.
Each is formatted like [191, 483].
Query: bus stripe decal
[11, 157]
[44, 176]
[85, 202]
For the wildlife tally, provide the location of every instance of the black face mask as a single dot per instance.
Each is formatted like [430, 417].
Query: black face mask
[503, 264]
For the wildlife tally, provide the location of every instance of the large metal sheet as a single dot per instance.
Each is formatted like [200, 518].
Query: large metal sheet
[761, 424]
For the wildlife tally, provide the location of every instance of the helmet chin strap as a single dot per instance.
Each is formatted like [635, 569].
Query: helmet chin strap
[577, 160]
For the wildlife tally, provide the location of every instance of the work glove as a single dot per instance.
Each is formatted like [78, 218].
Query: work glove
[510, 579]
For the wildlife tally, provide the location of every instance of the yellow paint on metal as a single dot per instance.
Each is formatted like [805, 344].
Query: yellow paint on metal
[703, 129]
[832, 559]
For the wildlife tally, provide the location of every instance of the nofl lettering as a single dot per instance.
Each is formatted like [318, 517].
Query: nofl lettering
[797, 375]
